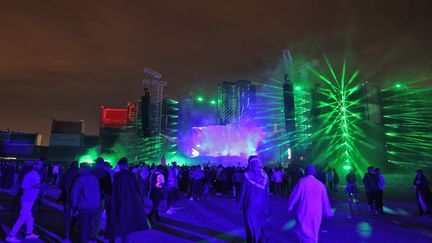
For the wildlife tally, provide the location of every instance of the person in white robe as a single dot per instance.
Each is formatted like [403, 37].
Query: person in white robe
[310, 197]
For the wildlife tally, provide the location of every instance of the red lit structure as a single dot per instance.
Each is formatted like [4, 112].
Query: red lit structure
[114, 122]
[117, 117]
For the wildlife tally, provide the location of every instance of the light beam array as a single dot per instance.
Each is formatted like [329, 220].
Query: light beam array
[408, 123]
[338, 131]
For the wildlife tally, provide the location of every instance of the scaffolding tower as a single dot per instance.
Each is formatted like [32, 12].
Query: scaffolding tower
[154, 84]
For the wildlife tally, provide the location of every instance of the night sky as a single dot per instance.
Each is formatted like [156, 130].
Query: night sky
[63, 59]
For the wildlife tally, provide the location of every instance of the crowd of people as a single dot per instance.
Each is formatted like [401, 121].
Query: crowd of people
[88, 192]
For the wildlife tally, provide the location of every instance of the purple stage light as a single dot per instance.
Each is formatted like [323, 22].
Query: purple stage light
[228, 140]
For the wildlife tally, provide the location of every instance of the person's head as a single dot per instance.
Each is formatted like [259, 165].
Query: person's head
[38, 165]
[99, 162]
[160, 168]
[310, 170]
[174, 164]
[377, 171]
[107, 165]
[74, 164]
[84, 168]
[254, 163]
[371, 169]
[123, 163]
[419, 172]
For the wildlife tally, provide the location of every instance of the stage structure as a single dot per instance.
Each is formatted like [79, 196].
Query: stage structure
[339, 136]
[154, 85]
[276, 113]
[303, 109]
[407, 118]
[169, 126]
[115, 122]
[288, 99]
[150, 142]
[219, 131]
[236, 101]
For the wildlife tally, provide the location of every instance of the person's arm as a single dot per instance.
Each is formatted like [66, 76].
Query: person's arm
[30, 181]
[62, 183]
[26, 182]
[76, 187]
[242, 199]
[294, 197]
[326, 204]
[267, 211]
[366, 183]
[425, 181]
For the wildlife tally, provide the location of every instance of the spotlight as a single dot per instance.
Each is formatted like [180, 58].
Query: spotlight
[195, 153]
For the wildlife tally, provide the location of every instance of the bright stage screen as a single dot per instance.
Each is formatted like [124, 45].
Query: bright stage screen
[229, 140]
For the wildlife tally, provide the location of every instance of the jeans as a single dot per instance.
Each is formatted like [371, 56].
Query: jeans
[196, 188]
[238, 186]
[86, 222]
[172, 196]
[67, 218]
[155, 196]
[372, 197]
[95, 229]
[278, 188]
[24, 216]
[380, 203]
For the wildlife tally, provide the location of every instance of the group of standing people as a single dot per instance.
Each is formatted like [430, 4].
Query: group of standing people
[331, 178]
[309, 198]
[88, 192]
[374, 184]
[423, 193]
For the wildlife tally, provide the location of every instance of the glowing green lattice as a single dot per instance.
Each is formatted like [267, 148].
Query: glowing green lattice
[338, 131]
[407, 120]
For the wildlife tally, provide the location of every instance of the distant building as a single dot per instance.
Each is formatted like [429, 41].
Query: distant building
[19, 145]
[65, 140]
[66, 133]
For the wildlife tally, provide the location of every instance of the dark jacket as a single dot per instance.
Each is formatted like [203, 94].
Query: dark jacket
[67, 182]
[350, 178]
[321, 176]
[104, 178]
[126, 210]
[422, 188]
[371, 182]
[85, 192]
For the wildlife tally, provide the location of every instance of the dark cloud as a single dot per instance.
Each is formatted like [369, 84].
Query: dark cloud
[64, 59]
